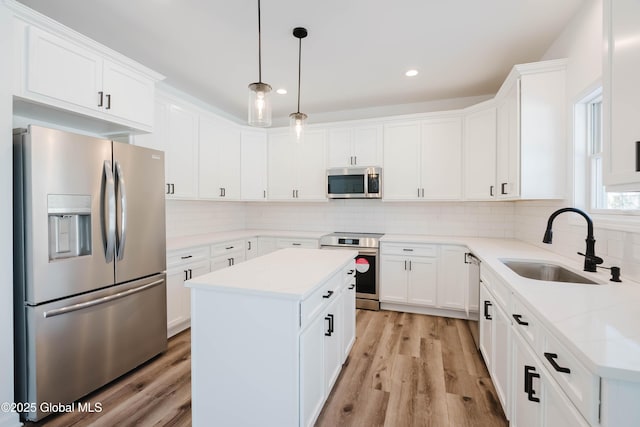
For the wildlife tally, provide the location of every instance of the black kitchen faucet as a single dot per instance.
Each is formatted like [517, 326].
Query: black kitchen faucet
[591, 261]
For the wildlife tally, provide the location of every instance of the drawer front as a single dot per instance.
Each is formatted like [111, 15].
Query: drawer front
[322, 297]
[297, 243]
[500, 290]
[411, 249]
[184, 256]
[526, 323]
[226, 248]
[581, 386]
[227, 260]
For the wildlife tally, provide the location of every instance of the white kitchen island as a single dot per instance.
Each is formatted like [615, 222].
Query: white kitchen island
[269, 337]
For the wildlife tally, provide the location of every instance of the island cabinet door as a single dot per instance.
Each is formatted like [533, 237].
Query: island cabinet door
[312, 371]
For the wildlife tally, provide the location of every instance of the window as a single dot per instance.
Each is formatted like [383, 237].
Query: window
[598, 200]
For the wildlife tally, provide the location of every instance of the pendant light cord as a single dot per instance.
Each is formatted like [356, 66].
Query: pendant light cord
[299, 69]
[260, 47]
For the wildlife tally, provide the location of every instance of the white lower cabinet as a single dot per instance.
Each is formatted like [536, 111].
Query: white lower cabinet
[537, 399]
[311, 372]
[348, 305]
[226, 254]
[495, 342]
[182, 265]
[423, 275]
[251, 248]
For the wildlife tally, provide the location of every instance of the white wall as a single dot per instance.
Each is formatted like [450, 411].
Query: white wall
[188, 218]
[581, 42]
[374, 216]
[6, 228]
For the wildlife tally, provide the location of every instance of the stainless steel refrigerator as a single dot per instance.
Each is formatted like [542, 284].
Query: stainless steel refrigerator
[89, 262]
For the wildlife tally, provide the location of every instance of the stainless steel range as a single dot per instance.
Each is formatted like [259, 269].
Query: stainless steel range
[367, 244]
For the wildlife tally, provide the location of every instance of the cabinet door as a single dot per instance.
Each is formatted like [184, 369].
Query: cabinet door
[340, 148]
[219, 159]
[422, 281]
[527, 412]
[480, 155]
[367, 146]
[332, 344]
[128, 94]
[177, 300]
[251, 248]
[508, 145]
[348, 323]
[486, 317]
[452, 278]
[181, 160]
[393, 279]
[402, 161]
[282, 167]
[253, 165]
[558, 409]
[312, 371]
[501, 356]
[311, 167]
[267, 245]
[62, 71]
[441, 164]
[621, 95]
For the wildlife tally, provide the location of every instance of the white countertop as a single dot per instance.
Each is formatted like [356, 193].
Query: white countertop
[291, 273]
[174, 243]
[599, 323]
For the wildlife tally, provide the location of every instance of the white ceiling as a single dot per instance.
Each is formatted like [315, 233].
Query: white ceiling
[354, 58]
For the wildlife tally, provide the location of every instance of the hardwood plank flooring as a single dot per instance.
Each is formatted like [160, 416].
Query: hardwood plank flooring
[427, 368]
[404, 370]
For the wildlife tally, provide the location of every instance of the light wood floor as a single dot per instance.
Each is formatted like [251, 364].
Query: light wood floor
[404, 370]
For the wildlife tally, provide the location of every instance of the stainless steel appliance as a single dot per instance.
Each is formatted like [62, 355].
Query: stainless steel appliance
[368, 245]
[89, 261]
[354, 183]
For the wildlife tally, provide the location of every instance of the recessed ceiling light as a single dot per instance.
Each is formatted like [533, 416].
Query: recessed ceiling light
[411, 73]
[281, 91]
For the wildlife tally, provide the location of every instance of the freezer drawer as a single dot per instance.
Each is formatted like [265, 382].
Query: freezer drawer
[78, 344]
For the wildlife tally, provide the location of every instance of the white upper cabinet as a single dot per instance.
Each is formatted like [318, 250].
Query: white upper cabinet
[253, 165]
[356, 146]
[62, 69]
[480, 152]
[219, 159]
[297, 171]
[441, 176]
[621, 100]
[181, 158]
[531, 132]
[423, 159]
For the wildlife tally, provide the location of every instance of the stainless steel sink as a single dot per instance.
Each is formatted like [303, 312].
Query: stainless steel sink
[539, 270]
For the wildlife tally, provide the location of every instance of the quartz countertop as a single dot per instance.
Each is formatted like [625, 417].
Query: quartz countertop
[600, 324]
[182, 242]
[291, 273]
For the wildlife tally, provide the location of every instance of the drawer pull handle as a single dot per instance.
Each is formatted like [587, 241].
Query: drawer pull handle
[487, 304]
[407, 250]
[186, 257]
[328, 295]
[519, 320]
[551, 357]
[352, 286]
[329, 331]
[350, 272]
[529, 375]
[230, 247]
[296, 244]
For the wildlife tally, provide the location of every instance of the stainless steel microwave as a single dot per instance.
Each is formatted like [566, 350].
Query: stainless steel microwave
[354, 183]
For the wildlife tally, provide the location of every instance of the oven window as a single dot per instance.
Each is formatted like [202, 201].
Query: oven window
[346, 184]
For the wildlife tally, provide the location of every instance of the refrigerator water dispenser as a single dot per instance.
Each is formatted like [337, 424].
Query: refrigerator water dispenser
[69, 226]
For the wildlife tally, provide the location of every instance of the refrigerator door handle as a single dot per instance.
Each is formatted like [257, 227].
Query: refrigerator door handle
[103, 300]
[122, 190]
[110, 226]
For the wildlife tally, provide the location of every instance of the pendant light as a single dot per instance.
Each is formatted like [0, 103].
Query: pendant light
[297, 120]
[259, 102]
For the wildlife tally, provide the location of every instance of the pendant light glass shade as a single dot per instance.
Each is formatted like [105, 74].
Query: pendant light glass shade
[259, 100]
[259, 105]
[298, 120]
